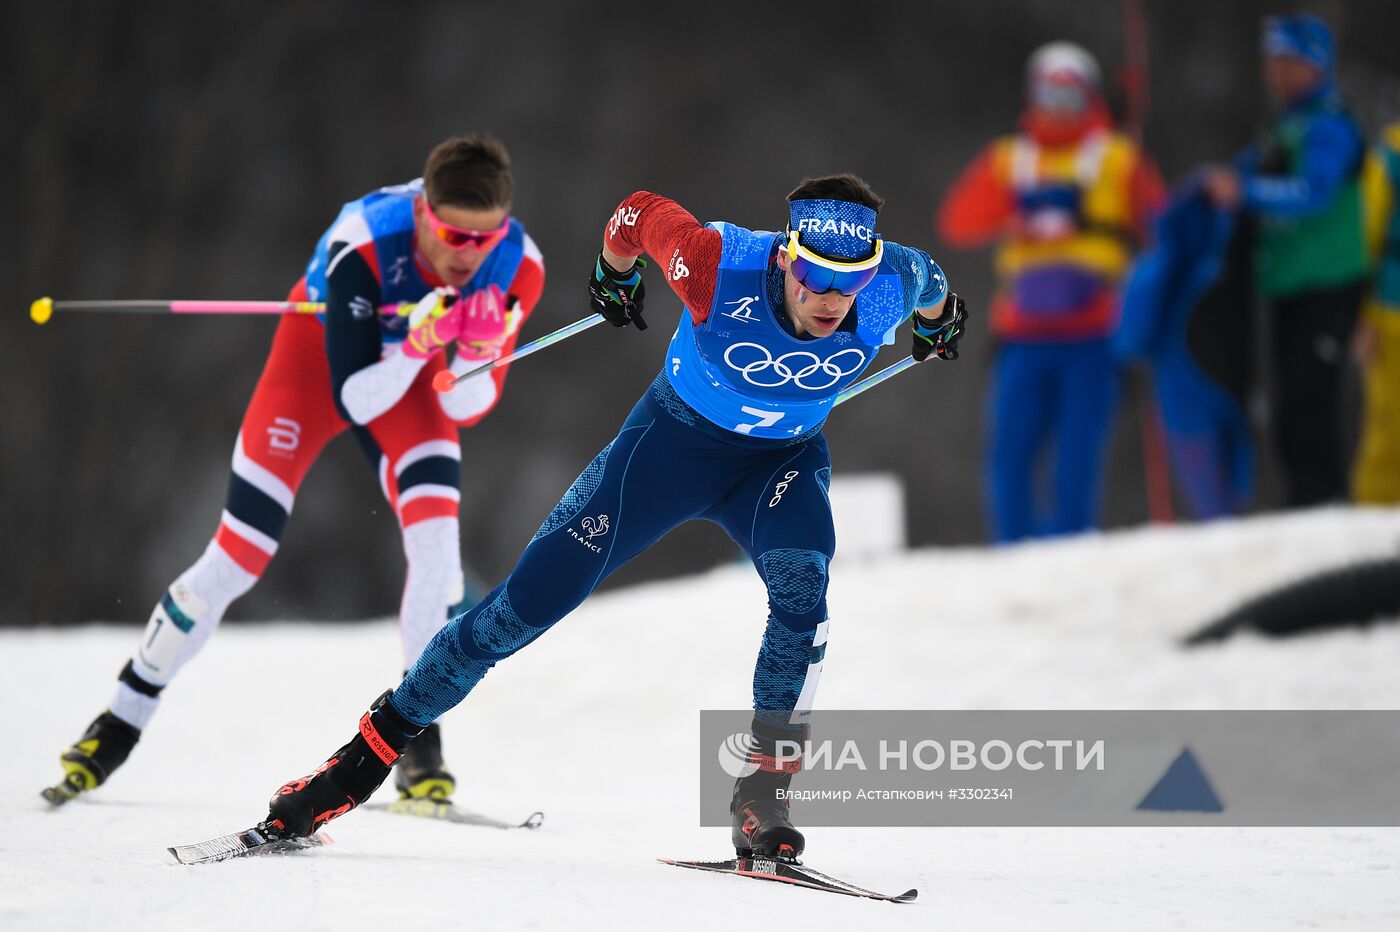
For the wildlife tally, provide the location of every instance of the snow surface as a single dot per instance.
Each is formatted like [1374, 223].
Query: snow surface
[595, 725]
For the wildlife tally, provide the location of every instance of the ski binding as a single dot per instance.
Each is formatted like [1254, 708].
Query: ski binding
[241, 844]
[792, 872]
[442, 810]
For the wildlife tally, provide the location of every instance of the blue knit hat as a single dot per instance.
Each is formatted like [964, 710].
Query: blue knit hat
[837, 229]
[1305, 37]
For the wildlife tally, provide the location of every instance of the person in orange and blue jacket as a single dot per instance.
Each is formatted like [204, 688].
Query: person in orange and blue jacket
[1069, 200]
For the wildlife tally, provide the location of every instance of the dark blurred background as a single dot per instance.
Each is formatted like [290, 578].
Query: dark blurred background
[164, 150]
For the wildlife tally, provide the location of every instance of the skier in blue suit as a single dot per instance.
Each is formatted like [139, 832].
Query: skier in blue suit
[730, 431]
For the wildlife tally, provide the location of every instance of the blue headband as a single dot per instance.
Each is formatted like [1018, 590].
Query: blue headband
[839, 229]
[1305, 37]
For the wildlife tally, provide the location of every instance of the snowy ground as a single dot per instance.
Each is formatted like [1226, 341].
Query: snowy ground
[595, 725]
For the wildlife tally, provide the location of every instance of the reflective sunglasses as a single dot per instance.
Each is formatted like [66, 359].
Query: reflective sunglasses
[1064, 96]
[818, 274]
[458, 238]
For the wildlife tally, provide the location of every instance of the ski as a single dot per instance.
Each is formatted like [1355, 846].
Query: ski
[789, 872]
[447, 812]
[240, 844]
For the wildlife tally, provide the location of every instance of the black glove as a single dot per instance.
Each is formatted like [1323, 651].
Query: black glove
[940, 336]
[618, 296]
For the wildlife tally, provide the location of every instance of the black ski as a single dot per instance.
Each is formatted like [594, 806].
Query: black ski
[789, 872]
[447, 812]
[240, 844]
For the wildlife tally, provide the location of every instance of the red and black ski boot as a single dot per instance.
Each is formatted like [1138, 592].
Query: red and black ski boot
[762, 826]
[300, 807]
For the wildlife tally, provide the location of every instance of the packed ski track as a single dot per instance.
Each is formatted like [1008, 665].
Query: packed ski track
[595, 724]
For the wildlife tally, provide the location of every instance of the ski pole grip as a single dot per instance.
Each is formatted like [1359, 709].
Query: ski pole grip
[41, 310]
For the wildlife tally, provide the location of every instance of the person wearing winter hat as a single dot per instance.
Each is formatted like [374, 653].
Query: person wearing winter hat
[1301, 187]
[1067, 200]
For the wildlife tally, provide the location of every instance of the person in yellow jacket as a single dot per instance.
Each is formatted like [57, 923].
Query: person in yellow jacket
[1067, 200]
[1375, 476]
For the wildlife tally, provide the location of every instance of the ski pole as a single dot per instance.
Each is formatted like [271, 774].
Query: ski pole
[444, 381]
[41, 310]
[871, 381]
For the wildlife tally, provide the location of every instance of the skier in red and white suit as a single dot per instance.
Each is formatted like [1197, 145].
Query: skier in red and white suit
[447, 242]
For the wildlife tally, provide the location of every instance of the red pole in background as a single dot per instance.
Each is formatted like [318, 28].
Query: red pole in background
[1136, 90]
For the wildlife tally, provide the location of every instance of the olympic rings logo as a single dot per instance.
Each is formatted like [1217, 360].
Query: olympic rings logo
[798, 367]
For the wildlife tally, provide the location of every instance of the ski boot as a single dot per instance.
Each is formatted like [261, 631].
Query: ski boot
[761, 824]
[103, 748]
[300, 807]
[420, 773]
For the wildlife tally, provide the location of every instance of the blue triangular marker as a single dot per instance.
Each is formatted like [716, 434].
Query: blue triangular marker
[1183, 788]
